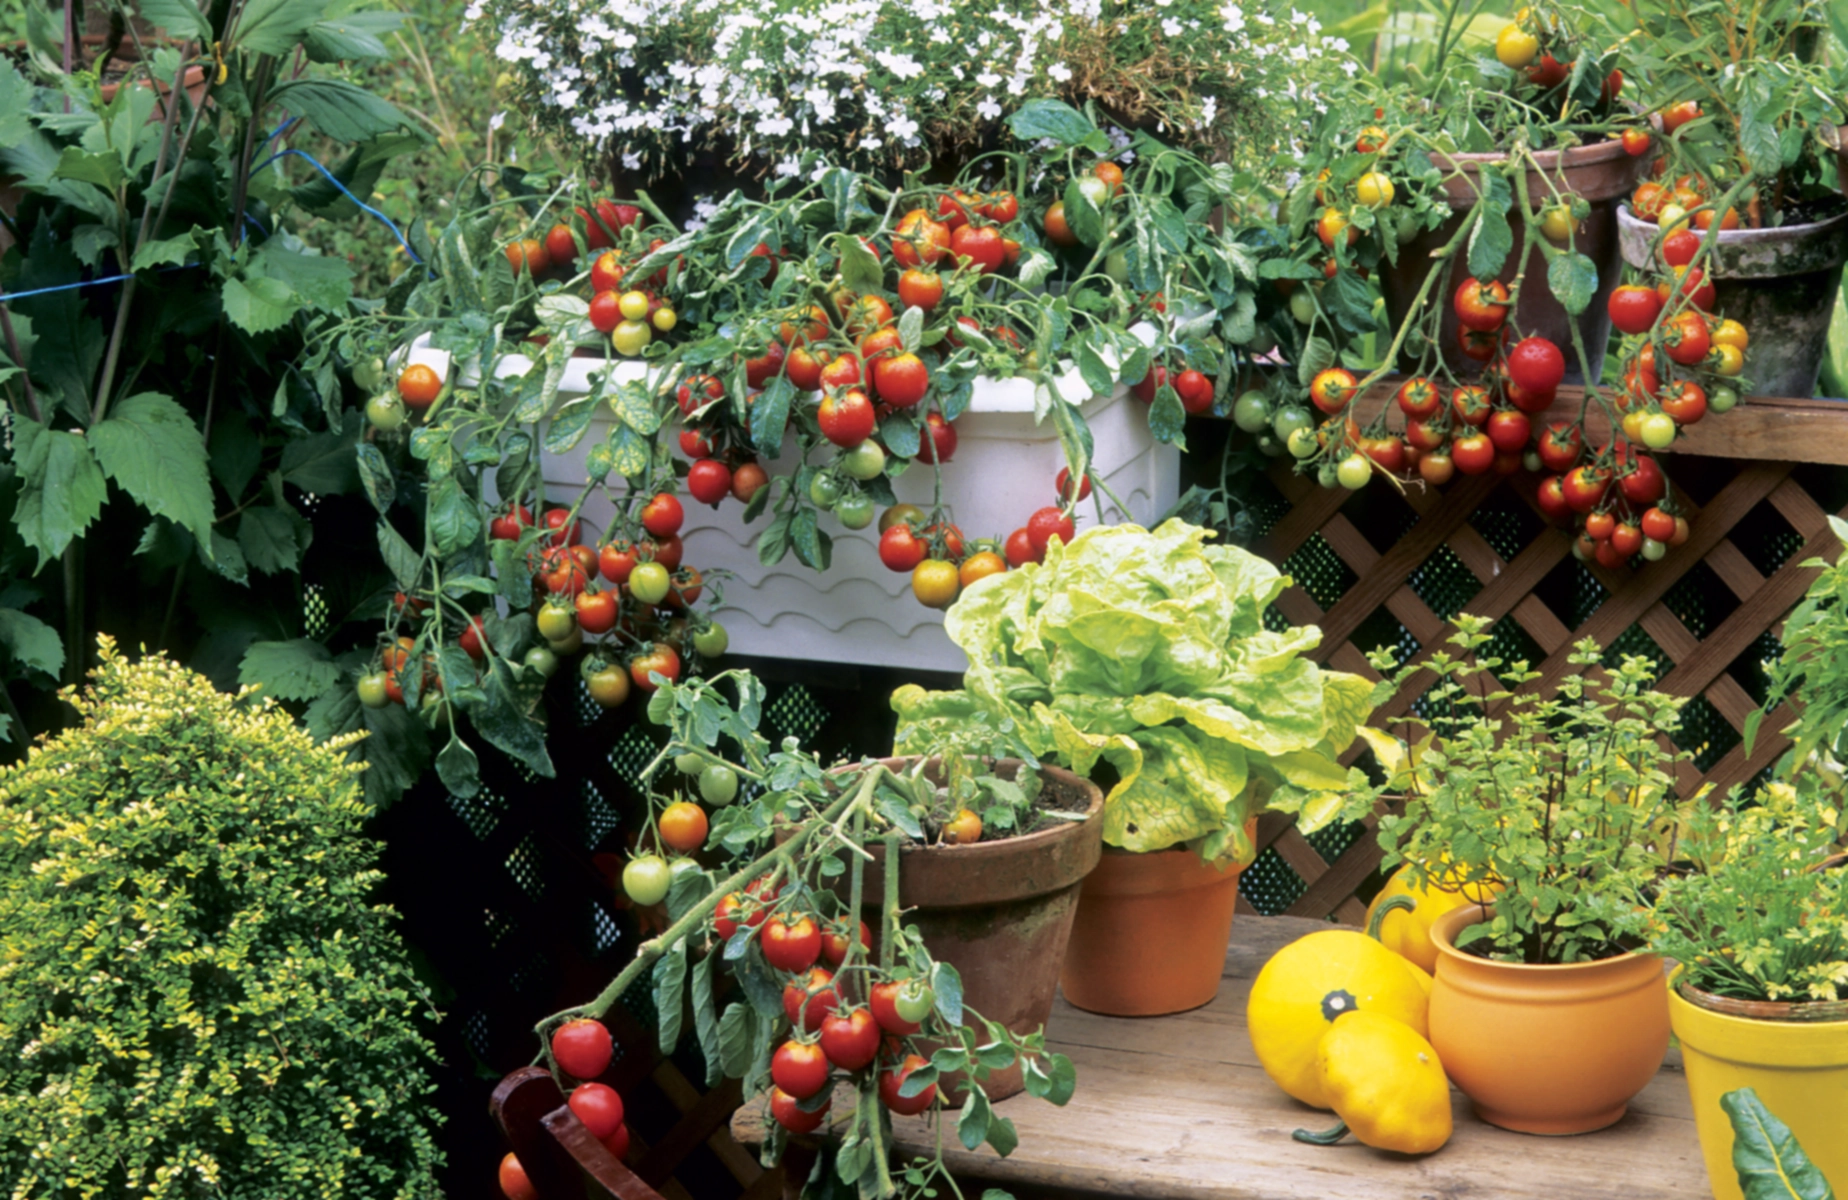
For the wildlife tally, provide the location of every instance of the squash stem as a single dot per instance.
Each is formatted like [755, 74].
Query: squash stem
[1379, 914]
[1328, 1137]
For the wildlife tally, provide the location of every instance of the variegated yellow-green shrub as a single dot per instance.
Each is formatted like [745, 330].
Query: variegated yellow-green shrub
[197, 997]
[1148, 650]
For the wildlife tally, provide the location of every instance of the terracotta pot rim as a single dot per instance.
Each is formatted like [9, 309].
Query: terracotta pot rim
[1572, 156]
[998, 847]
[1781, 1012]
[1446, 927]
[1770, 233]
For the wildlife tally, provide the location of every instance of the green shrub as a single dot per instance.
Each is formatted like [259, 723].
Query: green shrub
[196, 998]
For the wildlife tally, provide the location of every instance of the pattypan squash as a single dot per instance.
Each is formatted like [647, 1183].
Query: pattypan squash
[1386, 1084]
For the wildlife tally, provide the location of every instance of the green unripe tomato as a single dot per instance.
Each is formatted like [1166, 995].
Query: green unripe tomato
[1288, 420]
[568, 645]
[824, 490]
[1354, 472]
[372, 691]
[689, 763]
[1302, 306]
[1268, 443]
[1328, 475]
[1095, 190]
[1251, 412]
[1302, 443]
[646, 879]
[1722, 399]
[855, 510]
[864, 461]
[649, 582]
[718, 785]
[542, 659]
[711, 640]
[1116, 265]
[386, 412]
[369, 374]
[1262, 342]
[1654, 550]
[914, 1001]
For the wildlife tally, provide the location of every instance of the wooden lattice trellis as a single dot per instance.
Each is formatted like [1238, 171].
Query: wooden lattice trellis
[1748, 459]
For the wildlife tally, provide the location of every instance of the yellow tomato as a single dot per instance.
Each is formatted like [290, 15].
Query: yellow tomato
[935, 583]
[1374, 189]
[633, 305]
[1515, 47]
[665, 319]
[1558, 224]
[1729, 360]
[631, 337]
[1731, 333]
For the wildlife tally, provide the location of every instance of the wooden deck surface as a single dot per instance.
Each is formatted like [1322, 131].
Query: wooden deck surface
[1177, 1108]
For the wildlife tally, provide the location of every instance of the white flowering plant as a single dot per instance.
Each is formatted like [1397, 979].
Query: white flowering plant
[885, 87]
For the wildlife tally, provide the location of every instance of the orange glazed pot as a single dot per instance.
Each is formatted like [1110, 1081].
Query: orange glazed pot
[1151, 934]
[1546, 1049]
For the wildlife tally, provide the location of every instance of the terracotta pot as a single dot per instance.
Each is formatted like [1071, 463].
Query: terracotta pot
[194, 84]
[1794, 1055]
[1152, 933]
[1001, 912]
[1546, 1049]
[1601, 174]
[1781, 283]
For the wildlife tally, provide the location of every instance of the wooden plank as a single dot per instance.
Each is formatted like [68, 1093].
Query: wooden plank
[1346, 873]
[1296, 852]
[1394, 566]
[1297, 605]
[1762, 428]
[681, 1093]
[1541, 623]
[1303, 519]
[1635, 597]
[1351, 912]
[695, 1126]
[1795, 505]
[1210, 1126]
[1735, 570]
[1730, 699]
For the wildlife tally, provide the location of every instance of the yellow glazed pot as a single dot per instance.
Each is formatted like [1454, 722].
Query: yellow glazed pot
[1799, 1069]
[1546, 1049]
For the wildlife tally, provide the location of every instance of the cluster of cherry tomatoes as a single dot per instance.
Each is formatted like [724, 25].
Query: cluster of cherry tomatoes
[844, 1020]
[680, 830]
[582, 1049]
[942, 564]
[632, 312]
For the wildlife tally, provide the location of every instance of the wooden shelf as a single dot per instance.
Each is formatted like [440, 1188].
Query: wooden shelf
[1177, 1108]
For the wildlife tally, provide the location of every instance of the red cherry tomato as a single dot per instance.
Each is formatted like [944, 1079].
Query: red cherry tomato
[598, 1106]
[799, 1068]
[583, 1047]
[851, 1039]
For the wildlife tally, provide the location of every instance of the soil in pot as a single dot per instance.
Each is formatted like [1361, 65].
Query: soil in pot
[1152, 933]
[1001, 911]
[1780, 283]
[1794, 1055]
[1553, 1049]
[1601, 174]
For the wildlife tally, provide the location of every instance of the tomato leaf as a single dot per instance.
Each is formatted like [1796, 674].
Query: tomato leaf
[633, 408]
[770, 416]
[734, 1039]
[1318, 355]
[773, 542]
[948, 986]
[899, 431]
[1167, 419]
[300, 669]
[705, 1025]
[1489, 243]
[1002, 1136]
[510, 717]
[30, 642]
[918, 1081]
[670, 975]
[376, 476]
[1573, 280]
[324, 463]
[1094, 370]
[273, 539]
[813, 547]
[1084, 217]
[972, 1122]
[152, 450]
[761, 987]
[1770, 1163]
[455, 518]
[458, 768]
[1052, 119]
[859, 269]
[567, 427]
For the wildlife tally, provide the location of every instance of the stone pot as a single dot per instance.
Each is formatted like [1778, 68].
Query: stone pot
[1601, 174]
[1795, 1055]
[1780, 283]
[1552, 1049]
[1001, 911]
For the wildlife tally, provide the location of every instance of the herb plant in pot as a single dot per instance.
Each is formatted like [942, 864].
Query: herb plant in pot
[1759, 923]
[1142, 658]
[1564, 802]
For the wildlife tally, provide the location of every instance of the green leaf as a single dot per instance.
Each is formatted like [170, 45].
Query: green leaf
[341, 110]
[773, 542]
[859, 269]
[458, 768]
[735, 1040]
[260, 304]
[1064, 1080]
[272, 539]
[1770, 1164]
[1758, 139]
[299, 669]
[152, 450]
[510, 717]
[320, 280]
[770, 416]
[88, 242]
[972, 1122]
[359, 172]
[1084, 217]
[632, 406]
[1573, 279]
[404, 563]
[628, 451]
[30, 642]
[275, 26]
[911, 329]
[61, 487]
[15, 103]
[1490, 243]
[163, 252]
[1167, 417]
[813, 547]
[324, 463]
[105, 170]
[899, 431]
[375, 474]
[566, 429]
[1318, 355]
[1094, 370]
[948, 986]
[350, 36]
[455, 518]
[705, 1025]
[670, 975]
[1054, 119]
[180, 18]
[1002, 1136]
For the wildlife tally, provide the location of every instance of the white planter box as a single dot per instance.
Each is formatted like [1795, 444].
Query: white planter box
[857, 611]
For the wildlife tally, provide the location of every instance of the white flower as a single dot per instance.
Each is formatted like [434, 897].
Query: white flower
[988, 110]
[1234, 17]
[1171, 27]
[904, 128]
[497, 120]
[1060, 72]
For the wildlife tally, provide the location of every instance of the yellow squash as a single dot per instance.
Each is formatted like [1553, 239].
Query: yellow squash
[1408, 932]
[1312, 981]
[1385, 1083]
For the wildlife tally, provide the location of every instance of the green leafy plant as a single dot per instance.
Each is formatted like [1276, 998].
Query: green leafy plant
[1148, 651]
[1771, 1165]
[783, 918]
[1814, 668]
[1761, 910]
[1563, 800]
[171, 354]
[199, 995]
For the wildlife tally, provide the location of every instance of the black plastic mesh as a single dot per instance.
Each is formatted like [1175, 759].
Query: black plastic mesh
[1705, 734]
[1270, 885]
[796, 713]
[1634, 641]
[1444, 583]
[1318, 570]
[316, 622]
[1506, 523]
